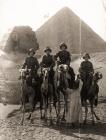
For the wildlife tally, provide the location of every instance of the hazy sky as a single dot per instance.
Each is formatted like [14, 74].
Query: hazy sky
[35, 12]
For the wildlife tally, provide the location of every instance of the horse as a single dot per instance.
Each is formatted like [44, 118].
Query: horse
[29, 94]
[61, 85]
[47, 93]
[90, 92]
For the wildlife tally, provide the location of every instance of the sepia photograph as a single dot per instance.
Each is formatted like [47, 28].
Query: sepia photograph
[52, 69]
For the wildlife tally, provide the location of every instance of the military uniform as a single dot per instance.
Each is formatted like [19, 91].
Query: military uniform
[65, 58]
[86, 70]
[31, 63]
[48, 62]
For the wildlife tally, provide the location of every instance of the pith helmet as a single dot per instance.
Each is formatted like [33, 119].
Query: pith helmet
[63, 44]
[48, 49]
[86, 56]
[31, 50]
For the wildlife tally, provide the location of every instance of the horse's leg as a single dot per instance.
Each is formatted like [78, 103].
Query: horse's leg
[50, 109]
[55, 102]
[33, 102]
[59, 107]
[41, 107]
[63, 117]
[86, 112]
[65, 106]
[55, 106]
[29, 114]
[92, 112]
[97, 118]
[23, 112]
[21, 102]
[45, 107]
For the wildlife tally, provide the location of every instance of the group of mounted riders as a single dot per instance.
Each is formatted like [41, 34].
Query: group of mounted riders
[48, 61]
[51, 63]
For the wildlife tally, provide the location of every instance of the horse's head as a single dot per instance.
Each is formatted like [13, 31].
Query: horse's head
[45, 72]
[97, 76]
[62, 75]
[63, 68]
[24, 73]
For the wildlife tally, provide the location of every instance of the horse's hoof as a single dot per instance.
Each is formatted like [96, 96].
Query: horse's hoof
[45, 119]
[80, 125]
[98, 118]
[57, 122]
[63, 119]
[84, 123]
[21, 123]
[28, 118]
[41, 117]
[73, 125]
[32, 121]
[51, 122]
[93, 122]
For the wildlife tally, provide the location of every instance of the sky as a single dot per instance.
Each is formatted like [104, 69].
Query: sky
[35, 13]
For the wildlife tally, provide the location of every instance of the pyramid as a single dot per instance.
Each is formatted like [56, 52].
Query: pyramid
[66, 26]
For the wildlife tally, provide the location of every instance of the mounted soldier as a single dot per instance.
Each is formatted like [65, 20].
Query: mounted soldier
[86, 70]
[65, 58]
[31, 63]
[48, 89]
[48, 62]
[90, 88]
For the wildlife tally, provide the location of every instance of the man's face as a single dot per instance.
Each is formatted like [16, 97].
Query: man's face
[31, 54]
[48, 52]
[63, 48]
[86, 58]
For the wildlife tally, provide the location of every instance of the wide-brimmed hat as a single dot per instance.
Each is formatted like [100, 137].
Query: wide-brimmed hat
[86, 56]
[47, 49]
[63, 44]
[31, 50]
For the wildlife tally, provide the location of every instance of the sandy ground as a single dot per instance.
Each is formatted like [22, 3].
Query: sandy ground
[10, 128]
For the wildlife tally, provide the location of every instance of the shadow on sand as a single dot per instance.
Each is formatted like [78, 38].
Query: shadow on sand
[83, 133]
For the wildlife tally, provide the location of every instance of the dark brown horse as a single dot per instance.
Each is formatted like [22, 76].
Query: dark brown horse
[90, 92]
[29, 93]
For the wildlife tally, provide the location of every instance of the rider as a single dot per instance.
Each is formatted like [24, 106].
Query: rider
[31, 63]
[86, 69]
[48, 62]
[65, 58]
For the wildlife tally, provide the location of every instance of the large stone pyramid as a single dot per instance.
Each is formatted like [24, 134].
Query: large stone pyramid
[66, 26]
